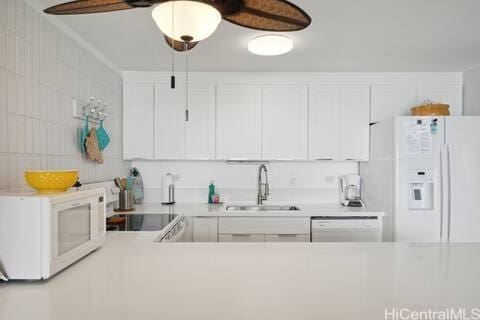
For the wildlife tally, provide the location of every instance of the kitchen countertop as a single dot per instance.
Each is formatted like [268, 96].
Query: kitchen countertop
[306, 210]
[131, 277]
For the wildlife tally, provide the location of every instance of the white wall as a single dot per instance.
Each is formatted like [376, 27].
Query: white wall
[42, 71]
[471, 98]
[314, 181]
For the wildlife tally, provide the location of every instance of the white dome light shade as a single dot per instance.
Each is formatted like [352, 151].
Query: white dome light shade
[270, 45]
[190, 18]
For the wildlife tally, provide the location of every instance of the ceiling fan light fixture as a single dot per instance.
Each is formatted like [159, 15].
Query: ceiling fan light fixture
[270, 45]
[177, 19]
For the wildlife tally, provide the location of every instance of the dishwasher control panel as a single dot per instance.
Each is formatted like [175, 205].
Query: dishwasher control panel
[346, 229]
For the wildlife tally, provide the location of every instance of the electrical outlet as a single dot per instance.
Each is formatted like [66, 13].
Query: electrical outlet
[329, 179]
[292, 180]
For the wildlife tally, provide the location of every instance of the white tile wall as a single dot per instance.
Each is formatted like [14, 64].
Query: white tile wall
[42, 72]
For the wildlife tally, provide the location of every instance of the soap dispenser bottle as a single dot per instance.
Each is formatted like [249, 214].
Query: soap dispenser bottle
[211, 192]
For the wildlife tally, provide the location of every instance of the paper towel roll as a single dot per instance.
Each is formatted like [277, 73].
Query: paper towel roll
[168, 181]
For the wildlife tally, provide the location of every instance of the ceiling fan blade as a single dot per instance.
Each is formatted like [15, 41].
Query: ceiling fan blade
[88, 6]
[180, 45]
[270, 15]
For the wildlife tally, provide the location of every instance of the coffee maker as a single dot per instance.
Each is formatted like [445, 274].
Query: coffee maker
[350, 191]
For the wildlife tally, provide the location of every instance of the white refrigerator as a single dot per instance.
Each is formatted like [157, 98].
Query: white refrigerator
[424, 172]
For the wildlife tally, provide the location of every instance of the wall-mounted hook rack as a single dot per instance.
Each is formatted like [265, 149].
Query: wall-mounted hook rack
[96, 111]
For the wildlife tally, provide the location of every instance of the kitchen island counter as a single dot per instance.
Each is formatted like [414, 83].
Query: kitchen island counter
[132, 277]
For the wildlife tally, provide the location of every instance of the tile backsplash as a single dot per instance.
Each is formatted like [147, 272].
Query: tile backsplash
[298, 182]
[42, 73]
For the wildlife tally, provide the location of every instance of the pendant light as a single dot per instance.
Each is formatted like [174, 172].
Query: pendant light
[195, 19]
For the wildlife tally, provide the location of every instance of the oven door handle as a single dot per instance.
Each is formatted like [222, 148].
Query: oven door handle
[2, 277]
[180, 232]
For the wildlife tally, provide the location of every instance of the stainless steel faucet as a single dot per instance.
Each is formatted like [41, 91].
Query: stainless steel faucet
[263, 190]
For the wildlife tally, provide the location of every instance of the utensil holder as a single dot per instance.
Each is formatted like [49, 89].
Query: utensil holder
[125, 200]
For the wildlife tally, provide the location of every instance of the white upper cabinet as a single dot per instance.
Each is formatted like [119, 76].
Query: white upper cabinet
[239, 116]
[389, 101]
[285, 122]
[323, 122]
[169, 122]
[138, 111]
[200, 129]
[451, 95]
[354, 124]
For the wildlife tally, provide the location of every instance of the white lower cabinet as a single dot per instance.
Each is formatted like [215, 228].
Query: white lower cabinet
[264, 238]
[287, 238]
[241, 238]
[263, 229]
[263, 225]
[205, 229]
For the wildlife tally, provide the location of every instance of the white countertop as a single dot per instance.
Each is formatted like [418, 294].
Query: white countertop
[131, 277]
[306, 210]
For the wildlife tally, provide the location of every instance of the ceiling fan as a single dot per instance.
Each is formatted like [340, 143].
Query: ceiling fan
[264, 15]
[186, 22]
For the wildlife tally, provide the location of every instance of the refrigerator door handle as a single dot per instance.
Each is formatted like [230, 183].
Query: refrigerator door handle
[449, 194]
[445, 193]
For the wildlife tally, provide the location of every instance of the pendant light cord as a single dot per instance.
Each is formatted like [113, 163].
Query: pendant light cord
[172, 79]
[186, 83]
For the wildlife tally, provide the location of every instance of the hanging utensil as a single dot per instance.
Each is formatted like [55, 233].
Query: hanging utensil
[84, 132]
[118, 183]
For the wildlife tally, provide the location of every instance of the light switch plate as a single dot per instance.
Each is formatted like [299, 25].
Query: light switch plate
[292, 180]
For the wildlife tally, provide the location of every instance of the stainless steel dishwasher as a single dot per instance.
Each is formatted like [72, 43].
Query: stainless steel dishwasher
[346, 229]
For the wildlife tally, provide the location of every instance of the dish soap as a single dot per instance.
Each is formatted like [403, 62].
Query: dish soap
[211, 192]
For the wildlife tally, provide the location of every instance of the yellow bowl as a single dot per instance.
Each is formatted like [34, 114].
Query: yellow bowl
[51, 181]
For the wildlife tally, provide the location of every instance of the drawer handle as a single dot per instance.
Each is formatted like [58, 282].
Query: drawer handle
[288, 235]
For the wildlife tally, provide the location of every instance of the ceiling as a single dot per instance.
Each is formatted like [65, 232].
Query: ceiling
[345, 36]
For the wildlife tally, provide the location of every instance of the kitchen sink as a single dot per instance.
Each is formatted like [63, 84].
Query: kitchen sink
[262, 208]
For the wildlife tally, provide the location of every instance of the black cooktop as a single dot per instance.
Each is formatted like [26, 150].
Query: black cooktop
[139, 222]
